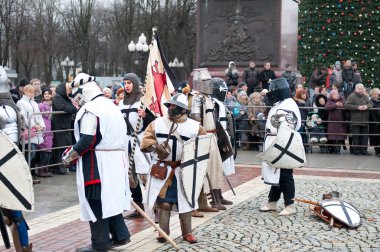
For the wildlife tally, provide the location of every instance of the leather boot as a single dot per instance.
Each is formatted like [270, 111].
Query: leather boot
[27, 248]
[222, 200]
[215, 203]
[203, 204]
[185, 221]
[197, 214]
[135, 214]
[164, 219]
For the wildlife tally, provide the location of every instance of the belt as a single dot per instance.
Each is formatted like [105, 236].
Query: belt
[173, 164]
[211, 131]
[107, 149]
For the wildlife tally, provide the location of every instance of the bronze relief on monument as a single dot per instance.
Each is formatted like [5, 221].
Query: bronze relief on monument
[238, 31]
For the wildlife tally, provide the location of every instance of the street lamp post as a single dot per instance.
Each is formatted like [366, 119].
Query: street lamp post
[67, 64]
[141, 48]
[176, 65]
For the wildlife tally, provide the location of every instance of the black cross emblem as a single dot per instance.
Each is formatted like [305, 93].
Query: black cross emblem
[285, 151]
[9, 185]
[174, 139]
[344, 208]
[194, 162]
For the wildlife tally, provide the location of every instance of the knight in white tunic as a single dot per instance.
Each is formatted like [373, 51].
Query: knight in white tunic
[284, 110]
[134, 114]
[164, 137]
[102, 177]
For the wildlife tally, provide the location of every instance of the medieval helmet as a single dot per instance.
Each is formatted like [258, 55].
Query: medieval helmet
[4, 86]
[179, 100]
[84, 88]
[201, 80]
[278, 90]
[219, 88]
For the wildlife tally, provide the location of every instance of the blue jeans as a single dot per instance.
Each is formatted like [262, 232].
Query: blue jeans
[22, 228]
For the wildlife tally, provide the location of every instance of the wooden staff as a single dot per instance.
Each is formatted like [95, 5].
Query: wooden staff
[155, 225]
[307, 201]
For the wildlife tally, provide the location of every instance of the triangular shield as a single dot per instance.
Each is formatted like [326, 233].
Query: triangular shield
[16, 183]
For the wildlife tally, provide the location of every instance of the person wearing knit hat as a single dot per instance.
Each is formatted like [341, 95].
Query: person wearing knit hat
[134, 113]
[18, 91]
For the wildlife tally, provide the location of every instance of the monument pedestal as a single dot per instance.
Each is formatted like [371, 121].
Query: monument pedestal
[243, 31]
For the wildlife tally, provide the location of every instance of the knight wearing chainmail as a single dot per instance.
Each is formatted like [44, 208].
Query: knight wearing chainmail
[203, 109]
[284, 112]
[165, 137]
[132, 110]
[11, 123]
[102, 177]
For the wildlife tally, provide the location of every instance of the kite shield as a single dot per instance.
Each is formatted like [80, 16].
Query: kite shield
[194, 167]
[16, 183]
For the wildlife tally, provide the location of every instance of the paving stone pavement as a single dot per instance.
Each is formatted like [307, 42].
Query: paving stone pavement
[244, 228]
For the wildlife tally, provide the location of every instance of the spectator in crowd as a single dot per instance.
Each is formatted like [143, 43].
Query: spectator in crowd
[304, 105]
[45, 153]
[107, 93]
[338, 88]
[336, 127]
[266, 75]
[19, 90]
[232, 104]
[242, 119]
[290, 78]
[234, 91]
[319, 104]
[33, 131]
[348, 78]
[358, 104]
[62, 123]
[232, 75]
[115, 88]
[317, 79]
[374, 118]
[52, 89]
[36, 83]
[357, 74]
[256, 113]
[251, 77]
[336, 76]
[119, 96]
[243, 87]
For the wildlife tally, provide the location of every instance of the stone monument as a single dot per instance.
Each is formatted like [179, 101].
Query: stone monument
[244, 31]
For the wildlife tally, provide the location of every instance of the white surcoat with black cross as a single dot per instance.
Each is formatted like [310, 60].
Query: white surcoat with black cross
[186, 130]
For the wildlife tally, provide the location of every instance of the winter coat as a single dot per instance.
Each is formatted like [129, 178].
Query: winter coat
[27, 107]
[348, 74]
[317, 79]
[61, 102]
[48, 135]
[335, 129]
[265, 76]
[358, 117]
[291, 79]
[337, 76]
[322, 113]
[374, 116]
[251, 76]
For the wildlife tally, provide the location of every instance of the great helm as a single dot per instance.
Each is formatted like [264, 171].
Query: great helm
[278, 90]
[219, 88]
[201, 80]
[84, 88]
[4, 86]
[179, 100]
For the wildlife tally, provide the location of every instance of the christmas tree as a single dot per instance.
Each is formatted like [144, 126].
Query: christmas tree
[340, 30]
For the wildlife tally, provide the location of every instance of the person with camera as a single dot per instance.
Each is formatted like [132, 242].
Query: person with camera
[164, 137]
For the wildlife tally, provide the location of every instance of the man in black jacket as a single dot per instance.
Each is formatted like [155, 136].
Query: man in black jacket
[251, 77]
[61, 102]
[266, 75]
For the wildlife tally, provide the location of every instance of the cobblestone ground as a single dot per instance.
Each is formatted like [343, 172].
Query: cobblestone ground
[245, 228]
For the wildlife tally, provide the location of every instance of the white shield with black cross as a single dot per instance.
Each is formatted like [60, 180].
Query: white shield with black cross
[342, 211]
[16, 183]
[286, 151]
[196, 152]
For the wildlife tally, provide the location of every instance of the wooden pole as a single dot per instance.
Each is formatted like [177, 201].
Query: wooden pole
[155, 225]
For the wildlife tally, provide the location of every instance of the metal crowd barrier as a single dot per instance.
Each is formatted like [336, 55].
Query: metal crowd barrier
[348, 134]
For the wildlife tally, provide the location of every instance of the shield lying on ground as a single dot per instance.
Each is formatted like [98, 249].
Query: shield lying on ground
[286, 151]
[16, 183]
[194, 167]
[342, 211]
